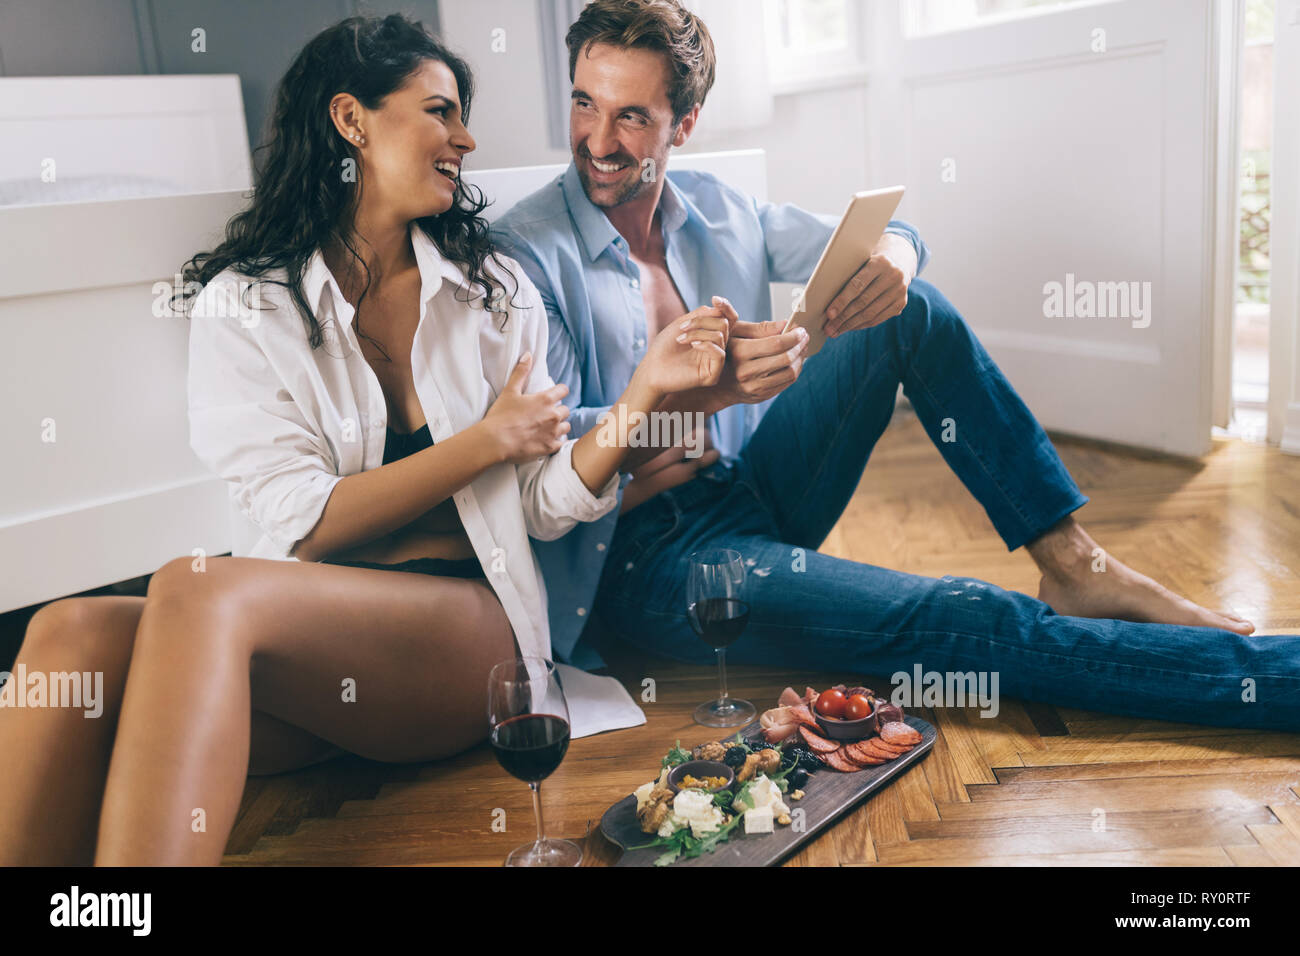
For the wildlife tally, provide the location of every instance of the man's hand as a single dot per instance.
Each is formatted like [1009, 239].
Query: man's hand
[879, 289]
[761, 360]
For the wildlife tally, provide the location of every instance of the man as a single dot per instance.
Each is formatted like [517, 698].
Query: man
[618, 249]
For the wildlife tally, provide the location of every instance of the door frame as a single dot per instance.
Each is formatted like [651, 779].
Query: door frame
[1230, 17]
[1284, 236]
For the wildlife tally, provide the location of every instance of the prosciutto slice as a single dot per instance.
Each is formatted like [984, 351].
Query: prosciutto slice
[779, 724]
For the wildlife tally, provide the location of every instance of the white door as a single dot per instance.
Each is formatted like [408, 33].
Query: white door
[1062, 168]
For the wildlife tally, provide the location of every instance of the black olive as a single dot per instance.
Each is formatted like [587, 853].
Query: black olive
[810, 762]
[797, 779]
[735, 758]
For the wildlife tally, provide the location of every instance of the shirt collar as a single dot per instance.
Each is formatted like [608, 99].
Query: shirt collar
[594, 227]
[433, 265]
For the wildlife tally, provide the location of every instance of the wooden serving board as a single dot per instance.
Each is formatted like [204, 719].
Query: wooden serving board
[828, 795]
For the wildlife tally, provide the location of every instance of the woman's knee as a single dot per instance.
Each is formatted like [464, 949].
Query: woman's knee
[192, 602]
[77, 632]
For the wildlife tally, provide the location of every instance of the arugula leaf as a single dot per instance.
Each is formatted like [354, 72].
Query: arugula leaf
[742, 794]
[670, 857]
[742, 743]
[710, 842]
[675, 757]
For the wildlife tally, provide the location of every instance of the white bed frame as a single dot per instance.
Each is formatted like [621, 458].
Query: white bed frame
[100, 484]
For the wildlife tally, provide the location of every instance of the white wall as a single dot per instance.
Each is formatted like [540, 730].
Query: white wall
[508, 115]
[818, 143]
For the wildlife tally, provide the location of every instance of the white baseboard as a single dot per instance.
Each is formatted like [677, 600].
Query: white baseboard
[1291, 429]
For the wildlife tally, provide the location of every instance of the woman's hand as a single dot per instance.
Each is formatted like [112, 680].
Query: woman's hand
[689, 352]
[527, 427]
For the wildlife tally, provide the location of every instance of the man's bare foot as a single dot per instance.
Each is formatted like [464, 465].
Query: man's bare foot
[1074, 583]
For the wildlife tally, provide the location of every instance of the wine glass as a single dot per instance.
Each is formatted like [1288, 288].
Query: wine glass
[718, 615]
[530, 735]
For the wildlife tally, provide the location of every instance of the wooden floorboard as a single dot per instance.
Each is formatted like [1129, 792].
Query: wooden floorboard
[1033, 786]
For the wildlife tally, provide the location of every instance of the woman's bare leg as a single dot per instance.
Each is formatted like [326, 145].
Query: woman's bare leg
[56, 759]
[389, 665]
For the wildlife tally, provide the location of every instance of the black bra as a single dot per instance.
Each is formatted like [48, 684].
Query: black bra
[400, 444]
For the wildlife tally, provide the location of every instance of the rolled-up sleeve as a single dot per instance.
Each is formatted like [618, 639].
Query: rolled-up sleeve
[554, 497]
[795, 238]
[246, 427]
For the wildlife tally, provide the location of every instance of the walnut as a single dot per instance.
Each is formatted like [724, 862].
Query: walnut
[784, 819]
[769, 760]
[713, 750]
[656, 809]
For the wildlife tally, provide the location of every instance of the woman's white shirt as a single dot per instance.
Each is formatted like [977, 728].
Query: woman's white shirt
[284, 423]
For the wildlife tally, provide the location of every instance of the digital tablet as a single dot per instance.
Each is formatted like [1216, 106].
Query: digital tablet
[859, 229]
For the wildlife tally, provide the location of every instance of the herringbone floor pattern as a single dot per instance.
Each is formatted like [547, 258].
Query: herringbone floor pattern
[1035, 785]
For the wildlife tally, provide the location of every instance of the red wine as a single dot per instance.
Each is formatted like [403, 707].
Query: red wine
[718, 620]
[531, 746]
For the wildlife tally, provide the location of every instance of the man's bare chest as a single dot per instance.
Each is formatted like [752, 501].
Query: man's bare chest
[662, 301]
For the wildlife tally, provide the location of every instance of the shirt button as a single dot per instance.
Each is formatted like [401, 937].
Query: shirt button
[600, 546]
[636, 283]
[581, 611]
[639, 343]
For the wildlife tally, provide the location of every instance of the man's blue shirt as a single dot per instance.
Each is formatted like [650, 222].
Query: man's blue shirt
[718, 241]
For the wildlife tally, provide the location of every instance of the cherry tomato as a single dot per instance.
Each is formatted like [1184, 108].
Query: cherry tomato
[831, 703]
[857, 707]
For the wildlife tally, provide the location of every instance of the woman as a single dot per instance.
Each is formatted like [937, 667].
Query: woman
[405, 569]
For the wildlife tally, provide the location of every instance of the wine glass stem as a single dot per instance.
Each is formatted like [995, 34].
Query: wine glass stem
[537, 809]
[722, 672]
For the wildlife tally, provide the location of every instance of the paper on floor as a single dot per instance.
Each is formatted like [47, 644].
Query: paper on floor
[596, 703]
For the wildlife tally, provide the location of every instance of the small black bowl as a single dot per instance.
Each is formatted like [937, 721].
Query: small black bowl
[837, 729]
[701, 769]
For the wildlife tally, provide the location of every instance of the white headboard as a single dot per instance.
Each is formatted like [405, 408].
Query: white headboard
[745, 169]
[178, 134]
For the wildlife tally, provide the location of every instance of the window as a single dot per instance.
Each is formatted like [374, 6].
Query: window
[813, 42]
[938, 16]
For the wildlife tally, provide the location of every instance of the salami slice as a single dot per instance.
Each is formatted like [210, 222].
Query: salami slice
[817, 743]
[897, 732]
[872, 746]
[837, 761]
[861, 756]
[895, 749]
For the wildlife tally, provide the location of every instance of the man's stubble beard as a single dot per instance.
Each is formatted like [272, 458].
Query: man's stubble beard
[626, 194]
[634, 188]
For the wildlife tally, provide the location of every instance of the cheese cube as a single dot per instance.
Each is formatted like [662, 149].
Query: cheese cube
[643, 794]
[698, 810]
[759, 820]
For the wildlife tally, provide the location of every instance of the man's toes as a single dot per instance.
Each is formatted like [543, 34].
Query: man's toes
[1232, 622]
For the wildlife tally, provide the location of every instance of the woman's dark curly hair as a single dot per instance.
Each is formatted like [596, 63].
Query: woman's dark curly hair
[302, 201]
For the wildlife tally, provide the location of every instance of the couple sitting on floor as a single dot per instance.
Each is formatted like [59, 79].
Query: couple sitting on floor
[391, 403]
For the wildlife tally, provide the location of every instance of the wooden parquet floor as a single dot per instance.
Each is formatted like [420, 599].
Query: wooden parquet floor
[1035, 785]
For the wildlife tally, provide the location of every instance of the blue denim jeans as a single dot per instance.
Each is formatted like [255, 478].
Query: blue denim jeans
[778, 501]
